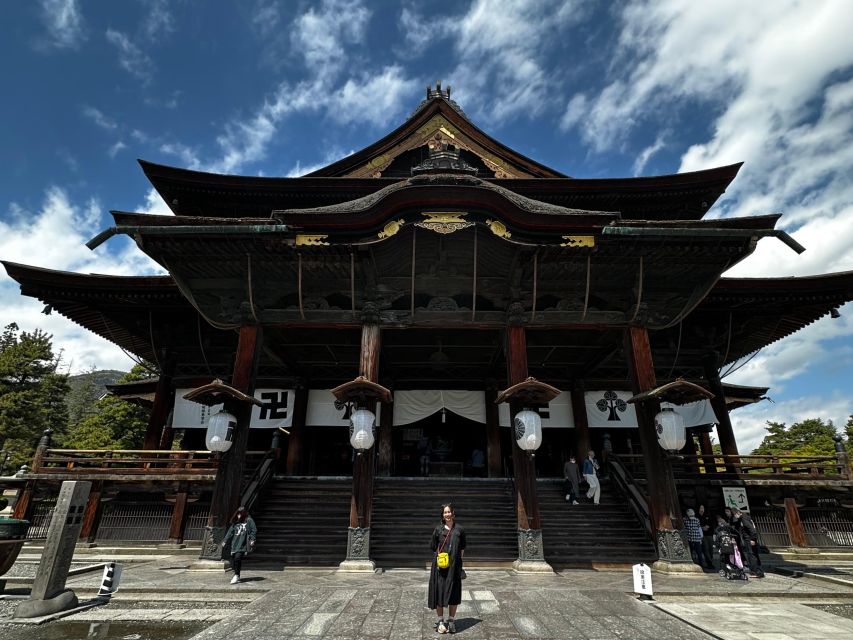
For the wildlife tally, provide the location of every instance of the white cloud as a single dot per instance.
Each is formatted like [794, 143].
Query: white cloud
[99, 118]
[159, 22]
[64, 23]
[320, 36]
[115, 148]
[188, 156]
[647, 153]
[60, 228]
[503, 48]
[130, 57]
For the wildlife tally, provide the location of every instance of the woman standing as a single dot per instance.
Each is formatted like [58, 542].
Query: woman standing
[241, 538]
[445, 576]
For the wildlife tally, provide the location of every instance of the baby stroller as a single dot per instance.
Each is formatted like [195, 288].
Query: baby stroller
[731, 562]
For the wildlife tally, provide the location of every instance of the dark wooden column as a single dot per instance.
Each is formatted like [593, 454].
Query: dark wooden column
[296, 440]
[794, 525]
[384, 441]
[91, 515]
[581, 424]
[706, 448]
[178, 522]
[493, 435]
[226, 490]
[728, 444]
[531, 554]
[361, 503]
[164, 400]
[664, 509]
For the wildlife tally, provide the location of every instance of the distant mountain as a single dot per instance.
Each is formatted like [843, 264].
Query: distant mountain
[86, 389]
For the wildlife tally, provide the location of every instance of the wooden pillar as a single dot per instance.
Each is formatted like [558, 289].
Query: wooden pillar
[795, 526]
[581, 424]
[385, 440]
[91, 516]
[728, 444]
[665, 511]
[226, 490]
[164, 400]
[707, 448]
[296, 440]
[493, 435]
[168, 432]
[689, 449]
[361, 503]
[24, 501]
[179, 517]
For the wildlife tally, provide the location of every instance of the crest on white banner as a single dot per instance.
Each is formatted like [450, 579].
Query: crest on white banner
[276, 410]
[558, 413]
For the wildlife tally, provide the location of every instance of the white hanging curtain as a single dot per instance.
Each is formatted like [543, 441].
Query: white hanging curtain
[322, 411]
[608, 409]
[557, 415]
[277, 410]
[694, 413]
[411, 406]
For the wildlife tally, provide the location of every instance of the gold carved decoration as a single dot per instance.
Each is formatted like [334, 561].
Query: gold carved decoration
[499, 228]
[578, 241]
[445, 222]
[391, 228]
[309, 240]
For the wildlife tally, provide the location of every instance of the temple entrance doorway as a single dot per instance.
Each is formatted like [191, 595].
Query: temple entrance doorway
[443, 444]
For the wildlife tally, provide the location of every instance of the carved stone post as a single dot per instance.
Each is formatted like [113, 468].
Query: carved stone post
[226, 490]
[664, 510]
[531, 553]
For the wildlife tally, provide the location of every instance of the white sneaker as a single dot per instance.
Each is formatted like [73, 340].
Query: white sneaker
[442, 627]
[235, 579]
[576, 502]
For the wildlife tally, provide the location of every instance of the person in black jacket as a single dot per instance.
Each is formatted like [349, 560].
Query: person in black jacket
[749, 534]
[445, 584]
[706, 522]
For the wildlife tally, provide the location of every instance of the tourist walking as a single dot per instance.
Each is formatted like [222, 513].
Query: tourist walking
[693, 528]
[749, 535]
[572, 473]
[707, 524]
[590, 466]
[726, 543]
[240, 540]
[446, 573]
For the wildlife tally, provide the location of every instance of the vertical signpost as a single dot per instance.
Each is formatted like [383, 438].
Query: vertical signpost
[49, 594]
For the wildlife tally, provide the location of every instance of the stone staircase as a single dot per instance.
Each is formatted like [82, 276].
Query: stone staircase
[590, 535]
[302, 522]
[405, 511]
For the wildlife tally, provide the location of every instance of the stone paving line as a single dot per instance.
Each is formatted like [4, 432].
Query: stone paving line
[497, 605]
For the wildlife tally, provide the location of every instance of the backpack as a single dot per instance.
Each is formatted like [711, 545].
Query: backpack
[727, 543]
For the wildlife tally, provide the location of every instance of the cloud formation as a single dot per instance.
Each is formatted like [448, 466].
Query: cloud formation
[131, 57]
[63, 21]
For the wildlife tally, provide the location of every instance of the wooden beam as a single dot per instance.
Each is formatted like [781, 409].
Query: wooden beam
[164, 400]
[524, 470]
[179, 517]
[296, 440]
[493, 436]
[795, 526]
[92, 513]
[368, 364]
[665, 511]
[725, 432]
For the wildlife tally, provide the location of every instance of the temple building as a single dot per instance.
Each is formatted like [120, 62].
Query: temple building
[446, 284]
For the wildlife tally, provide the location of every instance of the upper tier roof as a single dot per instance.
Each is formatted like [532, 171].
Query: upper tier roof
[437, 123]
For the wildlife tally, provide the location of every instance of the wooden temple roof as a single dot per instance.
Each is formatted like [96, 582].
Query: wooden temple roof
[147, 315]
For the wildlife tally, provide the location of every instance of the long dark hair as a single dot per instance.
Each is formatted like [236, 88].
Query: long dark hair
[446, 506]
[241, 515]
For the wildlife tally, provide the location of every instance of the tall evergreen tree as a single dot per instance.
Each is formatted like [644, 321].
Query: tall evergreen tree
[32, 392]
[810, 437]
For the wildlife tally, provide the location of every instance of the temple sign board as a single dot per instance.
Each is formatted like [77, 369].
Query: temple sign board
[735, 498]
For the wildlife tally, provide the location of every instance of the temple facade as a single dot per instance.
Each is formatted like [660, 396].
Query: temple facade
[445, 283]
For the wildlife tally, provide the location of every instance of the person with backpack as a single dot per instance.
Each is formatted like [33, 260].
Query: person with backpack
[745, 526]
[240, 540]
[726, 545]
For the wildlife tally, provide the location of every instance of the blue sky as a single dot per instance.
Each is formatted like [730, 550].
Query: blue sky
[280, 88]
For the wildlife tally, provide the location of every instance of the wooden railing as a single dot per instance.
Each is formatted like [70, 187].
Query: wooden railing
[258, 480]
[123, 463]
[750, 467]
[628, 486]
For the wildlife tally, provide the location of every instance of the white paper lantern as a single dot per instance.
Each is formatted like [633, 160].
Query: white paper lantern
[361, 429]
[220, 431]
[670, 429]
[528, 430]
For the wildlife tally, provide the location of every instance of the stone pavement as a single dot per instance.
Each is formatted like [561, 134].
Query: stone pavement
[497, 604]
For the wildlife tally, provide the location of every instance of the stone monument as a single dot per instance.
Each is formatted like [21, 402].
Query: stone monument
[49, 594]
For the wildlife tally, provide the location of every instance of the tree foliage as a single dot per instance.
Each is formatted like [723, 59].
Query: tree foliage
[113, 424]
[810, 437]
[32, 392]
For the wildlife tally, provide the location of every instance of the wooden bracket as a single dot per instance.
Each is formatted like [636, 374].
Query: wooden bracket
[530, 393]
[361, 390]
[218, 392]
[677, 392]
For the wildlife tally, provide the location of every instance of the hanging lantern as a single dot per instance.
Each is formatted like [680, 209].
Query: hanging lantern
[361, 429]
[670, 429]
[220, 431]
[528, 430]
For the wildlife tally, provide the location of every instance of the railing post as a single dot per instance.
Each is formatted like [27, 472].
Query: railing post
[41, 449]
[24, 503]
[92, 514]
[843, 460]
[178, 523]
[793, 523]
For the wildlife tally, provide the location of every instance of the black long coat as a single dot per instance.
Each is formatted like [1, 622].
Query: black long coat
[445, 585]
